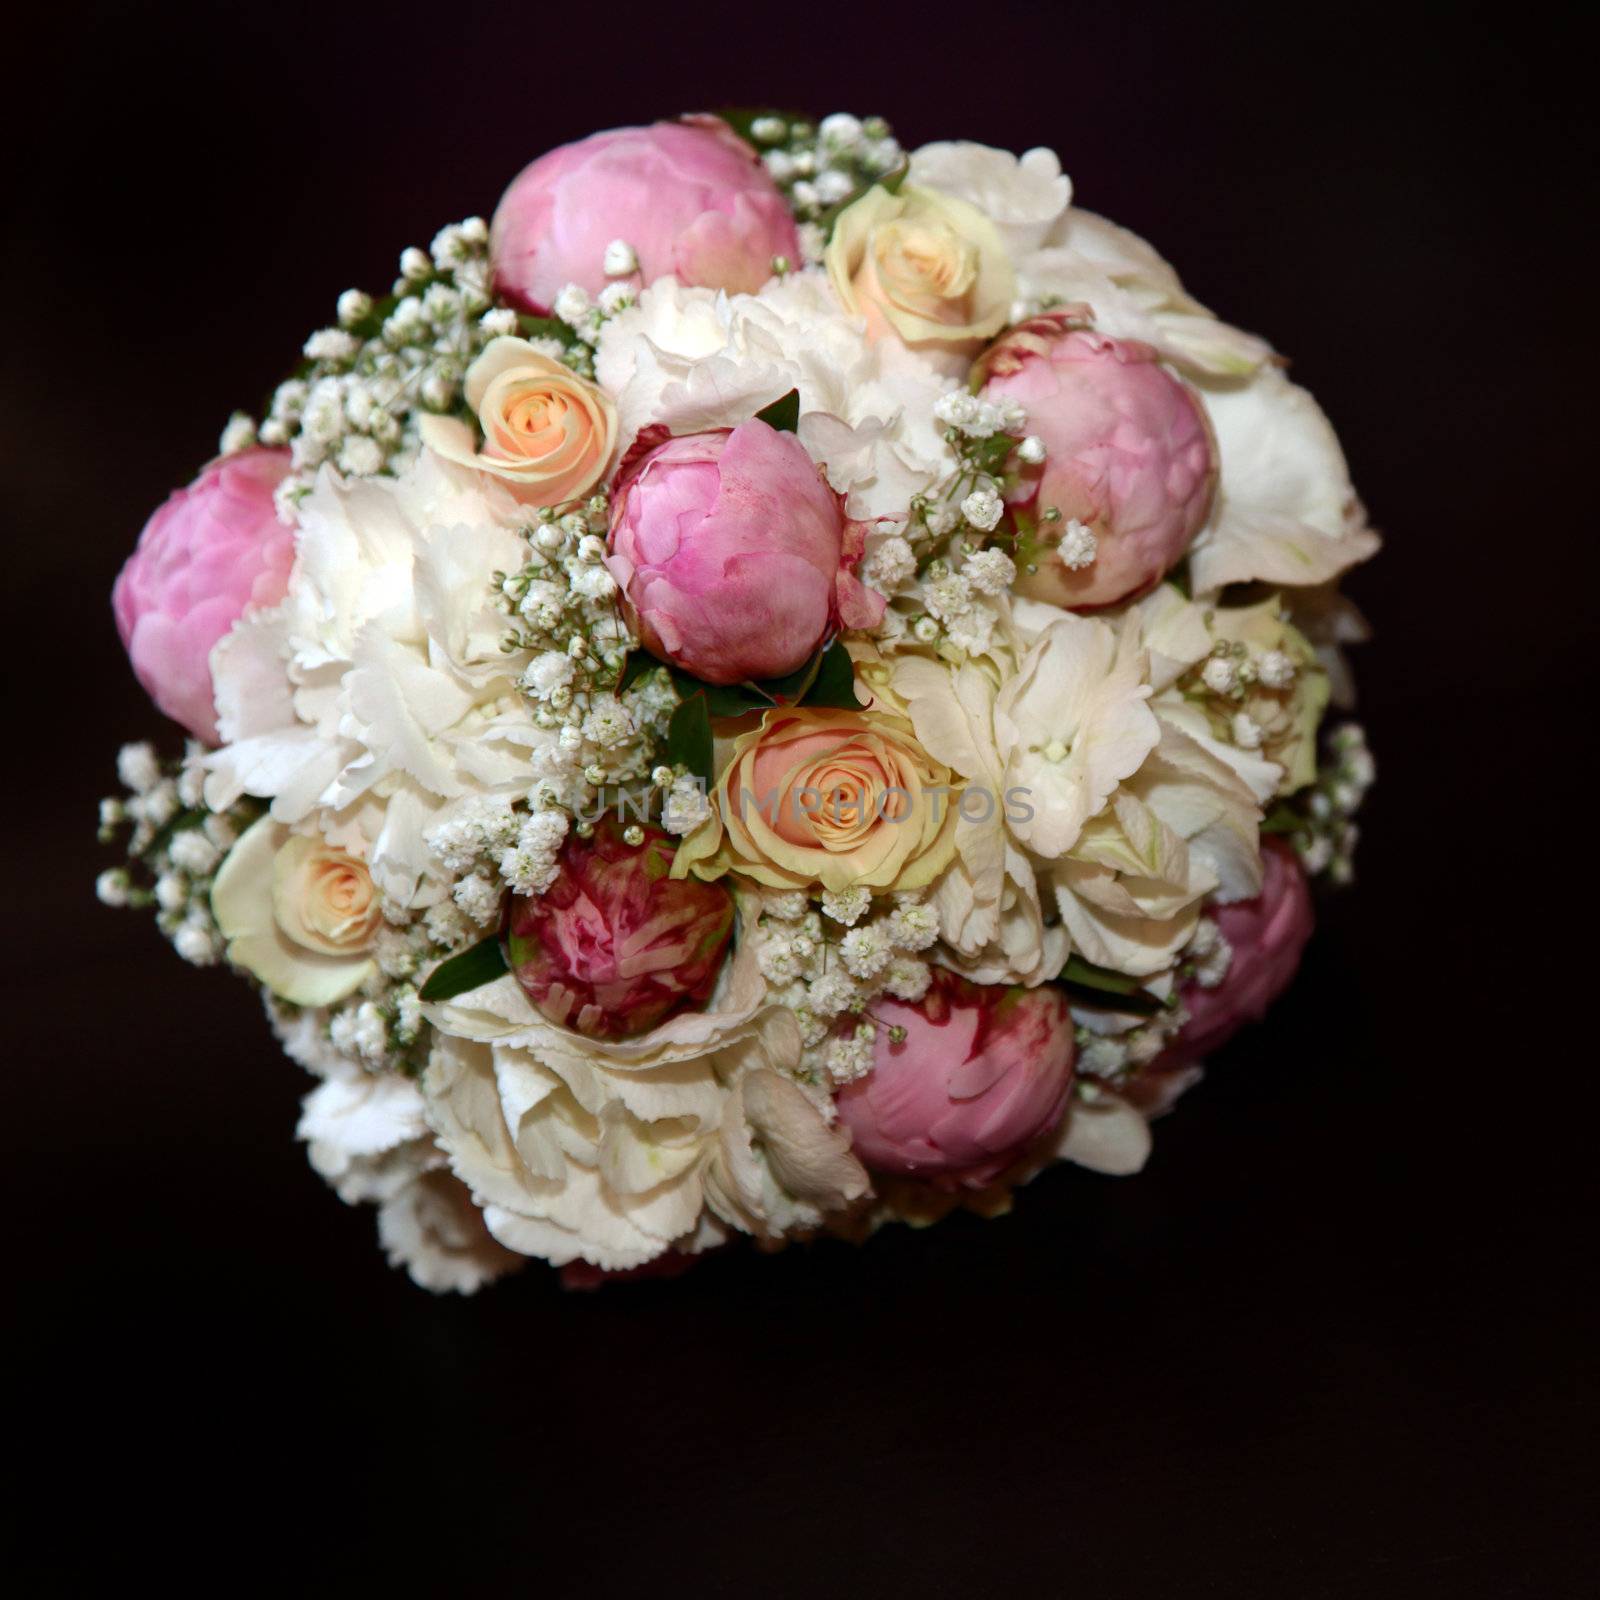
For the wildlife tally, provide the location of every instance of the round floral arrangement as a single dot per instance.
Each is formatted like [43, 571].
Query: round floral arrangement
[775, 687]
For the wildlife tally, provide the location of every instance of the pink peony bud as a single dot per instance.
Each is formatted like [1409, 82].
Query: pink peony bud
[614, 945]
[691, 199]
[981, 1072]
[734, 553]
[212, 550]
[1267, 936]
[1128, 456]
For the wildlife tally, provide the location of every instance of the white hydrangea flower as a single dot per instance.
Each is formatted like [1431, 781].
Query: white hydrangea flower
[695, 359]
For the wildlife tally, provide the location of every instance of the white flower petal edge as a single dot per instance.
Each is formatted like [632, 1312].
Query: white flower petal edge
[695, 359]
[1285, 511]
[367, 1135]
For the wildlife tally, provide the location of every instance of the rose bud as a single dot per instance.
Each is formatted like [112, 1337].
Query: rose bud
[210, 552]
[615, 946]
[961, 1082]
[1266, 936]
[731, 550]
[1129, 463]
[690, 199]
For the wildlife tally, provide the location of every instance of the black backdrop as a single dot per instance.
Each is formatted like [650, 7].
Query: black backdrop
[1334, 1341]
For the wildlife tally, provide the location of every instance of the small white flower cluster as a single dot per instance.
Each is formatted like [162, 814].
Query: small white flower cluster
[382, 1030]
[174, 848]
[956, 603]
[354, 402]
[1233, 669]
[821, 165]
[1327, 837]
[946, 583]
[1112, 1046]
[1108, 1057]
[1244, 683]
[828, 964]
[492, 844]
[686, 804]
[586, 317]
[568, 623]
[976, 418]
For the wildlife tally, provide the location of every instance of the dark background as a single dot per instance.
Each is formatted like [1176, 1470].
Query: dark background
[1336, 1341]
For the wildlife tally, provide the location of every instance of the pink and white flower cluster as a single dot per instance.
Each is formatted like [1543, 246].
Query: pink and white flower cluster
[774, 687]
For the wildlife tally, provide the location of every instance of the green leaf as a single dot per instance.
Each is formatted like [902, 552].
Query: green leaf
[543, 328]
[743, 118]
[835, 681]
[1283, 818]
[790, 689]
[639, 662]
[689, 736]
[1101, 986]
[470, 969]
[784, 414]
[722, 699]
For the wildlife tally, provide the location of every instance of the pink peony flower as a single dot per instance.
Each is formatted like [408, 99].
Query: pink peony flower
[210, 552]
[734, 553]
[615, 945]
[691, 199]
[1128, 455]
[1267, 936]
[981, 1072]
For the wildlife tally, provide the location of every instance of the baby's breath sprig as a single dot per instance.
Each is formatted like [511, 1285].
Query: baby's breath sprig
[173, 844]
[1320, 821]
[821, 166]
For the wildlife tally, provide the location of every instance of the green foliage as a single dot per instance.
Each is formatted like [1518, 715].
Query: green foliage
[470, 969]
[1100, 986]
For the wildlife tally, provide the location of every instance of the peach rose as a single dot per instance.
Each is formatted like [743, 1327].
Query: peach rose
[829, 797]
[930, 269]
[298, 914]
[547, 433]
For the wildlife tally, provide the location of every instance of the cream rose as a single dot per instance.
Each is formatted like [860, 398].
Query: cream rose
[931, 269]
[827, 797]
[297, 914]
[547, 433]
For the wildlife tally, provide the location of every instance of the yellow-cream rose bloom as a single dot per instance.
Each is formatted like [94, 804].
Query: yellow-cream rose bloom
[930, 269]
[830, 797]
[547, 433]
[297, 913]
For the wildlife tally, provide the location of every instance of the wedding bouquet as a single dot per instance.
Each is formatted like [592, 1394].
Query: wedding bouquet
[777, 686]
